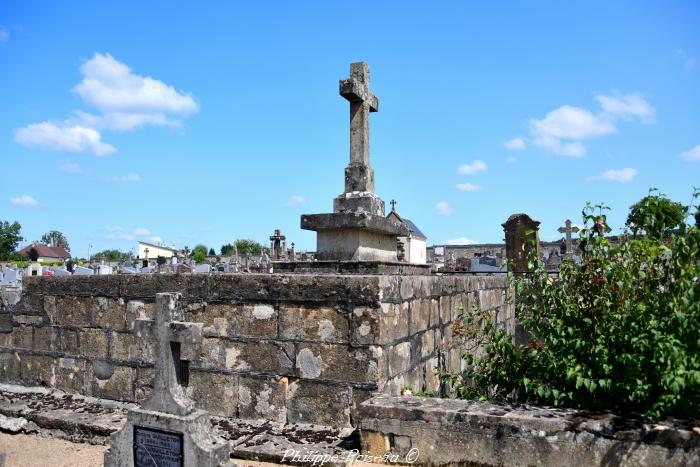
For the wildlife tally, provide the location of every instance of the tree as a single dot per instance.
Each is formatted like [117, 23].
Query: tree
[248, 246]
[110, 255]
[227, 250]
[212, 252]
[9, 239]
[199, 248]
[656, 215]
[55, 238]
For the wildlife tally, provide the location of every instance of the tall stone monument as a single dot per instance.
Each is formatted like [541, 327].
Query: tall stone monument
[357, 229]
[167, 430]
[567, 230]
[522, 235]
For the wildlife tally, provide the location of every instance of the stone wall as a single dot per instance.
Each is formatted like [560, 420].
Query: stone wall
[291, 348]
[438, 432]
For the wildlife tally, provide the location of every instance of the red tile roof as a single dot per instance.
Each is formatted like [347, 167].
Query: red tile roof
[46, 251]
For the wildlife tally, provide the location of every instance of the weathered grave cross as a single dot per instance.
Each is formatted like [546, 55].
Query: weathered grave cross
[362, 102]
[174, 347]
[568, 230]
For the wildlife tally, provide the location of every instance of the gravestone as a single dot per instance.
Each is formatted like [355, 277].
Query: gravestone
[10, 276]
[357, 229]
[129, 270]
[104, 270]
[35, 269]
[202, 268]
[83, 271]
[167, 430]
[522, 235]
[61, 272]
[568, 230]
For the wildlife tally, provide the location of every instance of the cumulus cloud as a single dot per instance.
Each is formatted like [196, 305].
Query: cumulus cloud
[443, 208]
[622, 176]
[692, 154]
[515, 144]
[467, 187]
[24, 201]
[627, 107]
[563, 130]
[295, 200]
[117, 233]
[460, 241]
[4, 34]
[688, 61]
[473, 168]
[124, 101]
[141, 232]
[128, 178]
[63, 137]
[70, 167]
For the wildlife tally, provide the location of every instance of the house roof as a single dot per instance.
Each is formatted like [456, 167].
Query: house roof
[415, 231]
[158, 246]
[46, 251]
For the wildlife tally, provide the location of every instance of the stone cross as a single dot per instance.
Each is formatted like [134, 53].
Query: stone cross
[359, 176]
[393, 204]
[568, 229]
[174, 339]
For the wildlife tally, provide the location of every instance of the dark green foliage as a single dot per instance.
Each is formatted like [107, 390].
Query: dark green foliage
[655, 215]
[227, 250]
[9, 239]
[248, 246]
[110, 255]
[212, 252]
[618, 331]
[55, 238]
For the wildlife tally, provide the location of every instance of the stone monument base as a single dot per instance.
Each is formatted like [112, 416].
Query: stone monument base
[171, 439]
[350, 267]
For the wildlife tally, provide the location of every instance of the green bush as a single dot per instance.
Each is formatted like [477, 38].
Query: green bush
[619, 330]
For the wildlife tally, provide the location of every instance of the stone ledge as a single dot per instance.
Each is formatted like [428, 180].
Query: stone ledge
[458, 432]
[353, 220]
[350, 267]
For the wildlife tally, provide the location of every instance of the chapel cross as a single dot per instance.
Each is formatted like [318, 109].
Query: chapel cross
[174, 348]
[362, 102]
[568, 229]
[393, 204]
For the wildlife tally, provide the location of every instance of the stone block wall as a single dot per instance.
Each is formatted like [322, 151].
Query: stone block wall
[291, 348]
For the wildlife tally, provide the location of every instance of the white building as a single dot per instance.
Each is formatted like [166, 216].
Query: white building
[415, 245]
[153, 251]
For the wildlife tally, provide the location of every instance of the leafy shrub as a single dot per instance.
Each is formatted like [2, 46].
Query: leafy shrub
[617, 330]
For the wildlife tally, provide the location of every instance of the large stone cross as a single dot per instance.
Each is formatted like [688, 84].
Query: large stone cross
[568, 229]
[359, 176]
[175, 342]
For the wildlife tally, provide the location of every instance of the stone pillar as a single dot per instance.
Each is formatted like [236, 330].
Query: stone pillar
[522, 235]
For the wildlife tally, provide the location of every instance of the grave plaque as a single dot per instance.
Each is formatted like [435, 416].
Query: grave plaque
[157, 448]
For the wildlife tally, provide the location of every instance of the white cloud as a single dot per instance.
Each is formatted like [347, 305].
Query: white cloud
[460, 241]
[117, 233]
[63, 137]
[70, 167]
[622, 176]
[473, 168]
[141, 232]
[443, 208]
[627, 107]
[4, 34]
[511, 159]
[295, 200]
[689, 61]
[24, 201]
[515, 144]
[128, 100]
[467, 187]
[563, 130]
[692, 154]
[130, 177]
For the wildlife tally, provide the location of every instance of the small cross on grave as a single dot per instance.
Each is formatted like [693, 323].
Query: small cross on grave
[568, 229]
[167, 430]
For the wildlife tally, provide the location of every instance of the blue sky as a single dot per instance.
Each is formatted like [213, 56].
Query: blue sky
[202, 123]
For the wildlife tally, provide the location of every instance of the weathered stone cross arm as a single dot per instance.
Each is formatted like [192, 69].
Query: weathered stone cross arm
[175, 343]
[356, 88]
